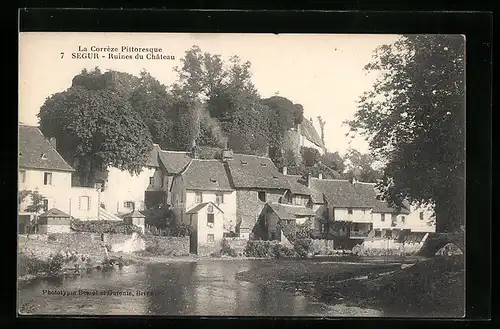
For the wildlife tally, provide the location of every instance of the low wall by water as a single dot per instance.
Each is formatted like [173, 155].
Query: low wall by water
[43, 245]
[168, 246]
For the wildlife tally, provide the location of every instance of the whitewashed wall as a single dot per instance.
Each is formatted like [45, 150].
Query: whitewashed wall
[228, 207]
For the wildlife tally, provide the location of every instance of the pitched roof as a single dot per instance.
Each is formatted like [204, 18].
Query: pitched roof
[342, 193]
[134, 214]
[285, 211]
[174, 162]
[37, 153]
[296, 186]
[54, 212]
[308, 131]
[200, 206]
[251, 171]
[207, 175]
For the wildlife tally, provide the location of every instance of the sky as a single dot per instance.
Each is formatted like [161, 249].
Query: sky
[323, 72]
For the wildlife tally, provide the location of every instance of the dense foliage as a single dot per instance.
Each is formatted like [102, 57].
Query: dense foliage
[267, 249]
[112, 118]
[103, 226]
[96, 126]
[418, 126]
[174, 230]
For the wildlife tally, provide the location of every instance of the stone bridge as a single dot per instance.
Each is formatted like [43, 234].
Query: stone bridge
[436, 241]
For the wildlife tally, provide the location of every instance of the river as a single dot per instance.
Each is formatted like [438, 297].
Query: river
[204, 288]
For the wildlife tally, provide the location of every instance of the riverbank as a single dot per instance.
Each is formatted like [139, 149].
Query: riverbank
[431, 288]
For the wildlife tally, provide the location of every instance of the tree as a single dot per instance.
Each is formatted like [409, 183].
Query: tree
[333, 161]
[95, 128]
[154, 104]
[414, 119]
[310, 156]
[35, 206]
[322, 124]
[233, 113]
[360, 166]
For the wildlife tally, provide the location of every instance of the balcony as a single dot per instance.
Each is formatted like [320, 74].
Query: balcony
[359, 234]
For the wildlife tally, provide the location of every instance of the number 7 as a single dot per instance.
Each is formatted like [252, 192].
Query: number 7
[62, 55]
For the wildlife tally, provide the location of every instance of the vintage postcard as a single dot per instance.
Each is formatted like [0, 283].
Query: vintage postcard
[241, 174]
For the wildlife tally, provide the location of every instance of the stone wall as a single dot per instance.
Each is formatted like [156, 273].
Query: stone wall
[249, 206]
[436, 241]
[91, 244]
[168, 246]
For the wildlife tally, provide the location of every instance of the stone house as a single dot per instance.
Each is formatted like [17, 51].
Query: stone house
[256, 181]
[278, 221]
[43, 169]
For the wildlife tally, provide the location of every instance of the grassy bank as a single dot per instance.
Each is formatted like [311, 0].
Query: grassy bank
[433, 288]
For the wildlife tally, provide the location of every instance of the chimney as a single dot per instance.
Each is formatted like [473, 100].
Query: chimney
[308, 179]
[52, 141]
[354, 180]
[285, 170]
[227, 154]
[320, 176]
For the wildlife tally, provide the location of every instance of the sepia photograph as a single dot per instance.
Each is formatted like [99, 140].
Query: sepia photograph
[227, 174]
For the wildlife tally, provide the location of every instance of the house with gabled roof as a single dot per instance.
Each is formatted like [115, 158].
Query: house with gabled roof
[43, 169]
[123, 192]
[256, 181]
[206, 221]
[200, 182]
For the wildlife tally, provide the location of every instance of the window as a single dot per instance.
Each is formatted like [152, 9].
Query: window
[210, 220]
[45, 203]
[403, 219]
[43, 156]
[84, 203]
[151, 181]
[262, 196]
[382, 217]
[162, 181]
[210, 209]
[219, 198]
[47, 178]
[198, 197]
[378, 233]
[128, 204]
[393, 220]
[349, 211]
[421, 215]
[210, 238]
[22, 176]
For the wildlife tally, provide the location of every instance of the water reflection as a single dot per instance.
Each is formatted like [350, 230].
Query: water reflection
[203, 288]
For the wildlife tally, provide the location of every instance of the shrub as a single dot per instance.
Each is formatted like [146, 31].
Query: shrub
[280, 251]
[267, 249]
[104, 226]
[302, 247]
[226, 249]
[174, 231]
[257, 248]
